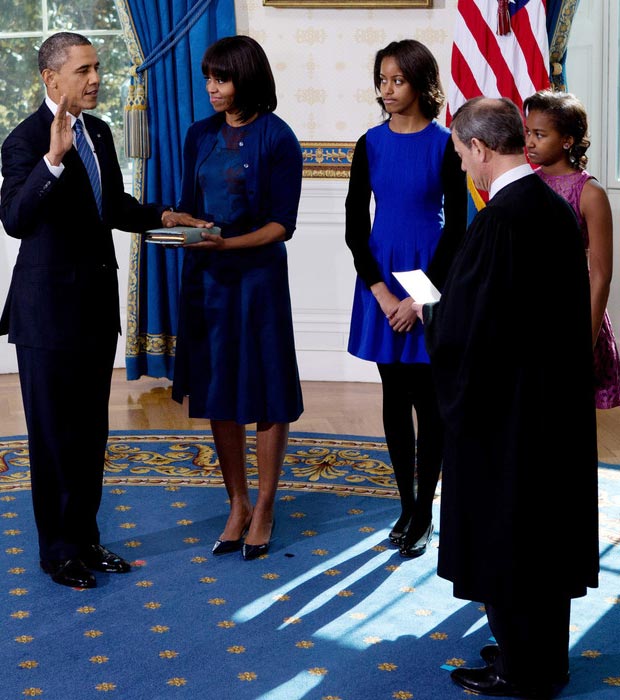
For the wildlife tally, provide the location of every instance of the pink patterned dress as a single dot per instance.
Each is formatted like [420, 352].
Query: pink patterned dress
[606, 358]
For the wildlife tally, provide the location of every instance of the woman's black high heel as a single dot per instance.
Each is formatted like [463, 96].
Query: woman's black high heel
[253, 551]
[399, 531]
[411, 550]
[228, 546]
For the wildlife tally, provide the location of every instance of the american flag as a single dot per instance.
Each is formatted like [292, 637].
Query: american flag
[500, 49]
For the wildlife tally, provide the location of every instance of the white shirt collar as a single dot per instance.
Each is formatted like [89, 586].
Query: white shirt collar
[509, 177]
[53, 107]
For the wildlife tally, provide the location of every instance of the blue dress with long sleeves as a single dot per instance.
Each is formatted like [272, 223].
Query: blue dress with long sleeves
[235, 355]
[405, 173]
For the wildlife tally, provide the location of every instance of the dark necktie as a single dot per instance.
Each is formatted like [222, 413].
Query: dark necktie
[88, 159]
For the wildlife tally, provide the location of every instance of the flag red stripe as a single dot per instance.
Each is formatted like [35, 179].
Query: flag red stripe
[489, 48]
[537, 69]
[466, 81]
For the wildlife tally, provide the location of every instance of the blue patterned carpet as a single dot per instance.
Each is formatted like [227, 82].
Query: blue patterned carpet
[332, 613]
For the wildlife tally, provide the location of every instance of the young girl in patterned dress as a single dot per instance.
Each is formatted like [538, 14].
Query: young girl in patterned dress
[556, 130]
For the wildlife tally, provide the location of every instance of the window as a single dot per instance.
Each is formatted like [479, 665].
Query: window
[26, 24]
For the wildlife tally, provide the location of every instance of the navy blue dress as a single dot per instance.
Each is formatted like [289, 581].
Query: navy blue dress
[235, 355]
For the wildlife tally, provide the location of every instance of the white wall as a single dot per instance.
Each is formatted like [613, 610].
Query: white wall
[592, 75]
[322, 280]
[322, 59]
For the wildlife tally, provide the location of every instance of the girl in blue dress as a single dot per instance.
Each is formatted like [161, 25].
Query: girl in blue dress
[235, 354]
[409, 166]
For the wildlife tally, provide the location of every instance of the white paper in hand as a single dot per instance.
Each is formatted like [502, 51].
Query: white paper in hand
[418, 286]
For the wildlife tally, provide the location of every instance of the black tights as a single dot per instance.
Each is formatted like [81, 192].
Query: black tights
[407, 387]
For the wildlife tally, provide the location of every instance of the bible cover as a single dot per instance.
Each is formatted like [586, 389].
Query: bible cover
[178, 235]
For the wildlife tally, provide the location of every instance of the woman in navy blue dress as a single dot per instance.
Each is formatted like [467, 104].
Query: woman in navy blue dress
[235, 355]
[409, 165]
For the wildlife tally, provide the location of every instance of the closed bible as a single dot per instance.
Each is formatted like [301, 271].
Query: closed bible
[178, 235]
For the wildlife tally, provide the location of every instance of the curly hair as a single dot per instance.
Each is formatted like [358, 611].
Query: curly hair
[419, 68]
[569, 118]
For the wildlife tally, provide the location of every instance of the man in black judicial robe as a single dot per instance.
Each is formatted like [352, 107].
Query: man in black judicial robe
[511, 352]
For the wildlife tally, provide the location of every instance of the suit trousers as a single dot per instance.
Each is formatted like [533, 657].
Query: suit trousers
[66, 395]
[532, 633]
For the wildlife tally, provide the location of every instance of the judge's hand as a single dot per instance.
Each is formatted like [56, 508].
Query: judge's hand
[61, 134]
[418, 310]
[181, 218]
[403, 318]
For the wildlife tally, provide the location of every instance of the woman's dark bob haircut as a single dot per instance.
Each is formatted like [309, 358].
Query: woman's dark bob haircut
[242, 60]
[420, 70]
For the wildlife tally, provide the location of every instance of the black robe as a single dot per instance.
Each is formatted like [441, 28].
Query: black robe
[511, 352]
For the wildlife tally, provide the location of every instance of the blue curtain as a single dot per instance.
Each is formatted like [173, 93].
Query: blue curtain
[560, 15]
[166, 41]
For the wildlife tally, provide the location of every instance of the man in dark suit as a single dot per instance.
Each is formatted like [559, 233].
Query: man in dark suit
[511, 354]
[62, 310]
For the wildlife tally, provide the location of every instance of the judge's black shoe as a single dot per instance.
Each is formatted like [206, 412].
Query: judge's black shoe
[70, 572]
[101, 559]
[489, 654]
[487, 681]
[412, 549]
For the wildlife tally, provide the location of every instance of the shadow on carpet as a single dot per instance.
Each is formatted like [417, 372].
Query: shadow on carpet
[331, 613]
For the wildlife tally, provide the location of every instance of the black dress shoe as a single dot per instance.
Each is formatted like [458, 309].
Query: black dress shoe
[487, 681]
[70, 572]
[411, 550]
[101, 559]
[489, 654]
[253, 551]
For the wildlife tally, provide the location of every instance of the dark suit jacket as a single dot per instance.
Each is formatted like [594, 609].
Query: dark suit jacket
[64, 290]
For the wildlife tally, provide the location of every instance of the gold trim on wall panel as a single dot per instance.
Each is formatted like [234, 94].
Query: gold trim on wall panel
[349, 3]
[327, 158]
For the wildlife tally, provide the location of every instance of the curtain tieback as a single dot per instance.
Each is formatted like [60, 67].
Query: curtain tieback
[503, 17]
[137, 142]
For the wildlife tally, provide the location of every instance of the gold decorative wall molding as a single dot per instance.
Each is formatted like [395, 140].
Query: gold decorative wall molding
[328, 159]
